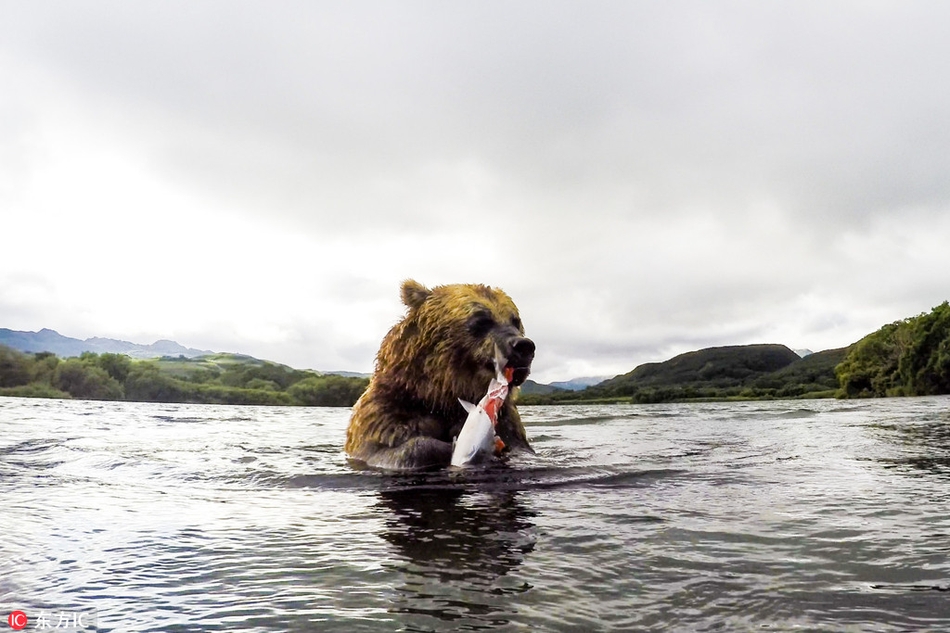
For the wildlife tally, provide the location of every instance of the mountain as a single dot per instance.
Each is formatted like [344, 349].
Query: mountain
[47, 340]
[535, 388]
[576, 384]
[815, 372]
[716, 367]
[738, 371]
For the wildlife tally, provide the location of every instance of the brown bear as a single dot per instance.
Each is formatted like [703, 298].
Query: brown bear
[442, 350]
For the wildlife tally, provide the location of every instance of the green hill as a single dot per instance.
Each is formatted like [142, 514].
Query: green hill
[736, 371]
[718, 367]
[210, 379]
[532, 387]
[814, 373]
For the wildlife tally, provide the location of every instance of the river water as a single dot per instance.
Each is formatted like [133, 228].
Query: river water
[806, 515]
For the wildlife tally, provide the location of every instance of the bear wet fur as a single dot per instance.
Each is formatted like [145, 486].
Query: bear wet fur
[442, 350]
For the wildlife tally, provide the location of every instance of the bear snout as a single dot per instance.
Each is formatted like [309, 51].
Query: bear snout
[522, 348]
[520, 358]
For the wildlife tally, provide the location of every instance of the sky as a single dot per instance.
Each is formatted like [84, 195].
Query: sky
[642, 178]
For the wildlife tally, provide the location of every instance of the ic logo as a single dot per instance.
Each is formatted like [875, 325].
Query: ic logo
[17, 620]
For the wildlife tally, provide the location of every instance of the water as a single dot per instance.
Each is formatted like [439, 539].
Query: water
[812, 516]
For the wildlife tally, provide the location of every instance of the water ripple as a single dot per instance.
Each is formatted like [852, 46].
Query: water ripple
[823, 516]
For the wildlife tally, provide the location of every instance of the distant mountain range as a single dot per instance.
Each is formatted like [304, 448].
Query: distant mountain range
[47, 340]
[577, 384]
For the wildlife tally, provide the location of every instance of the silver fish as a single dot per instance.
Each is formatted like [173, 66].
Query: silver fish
[476, 441]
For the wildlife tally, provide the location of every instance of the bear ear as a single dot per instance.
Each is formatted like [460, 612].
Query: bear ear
[413, 293]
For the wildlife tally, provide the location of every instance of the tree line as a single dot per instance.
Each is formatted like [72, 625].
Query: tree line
[905, 358]
[224, 379]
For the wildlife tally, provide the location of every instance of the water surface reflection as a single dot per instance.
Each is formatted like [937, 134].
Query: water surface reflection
[457, 548]
[922, 447]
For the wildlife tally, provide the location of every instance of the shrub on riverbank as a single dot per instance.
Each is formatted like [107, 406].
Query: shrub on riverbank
[214, 379]
[904, 358]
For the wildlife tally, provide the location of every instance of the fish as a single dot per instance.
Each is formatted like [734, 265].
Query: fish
[477, 442]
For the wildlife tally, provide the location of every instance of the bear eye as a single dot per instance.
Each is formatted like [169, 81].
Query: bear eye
[515, 321]
[480, 324]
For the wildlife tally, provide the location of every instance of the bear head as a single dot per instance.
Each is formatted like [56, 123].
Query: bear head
[444, 348]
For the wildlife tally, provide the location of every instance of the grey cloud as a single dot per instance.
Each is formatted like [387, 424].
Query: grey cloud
[684, 168]
[325, 109]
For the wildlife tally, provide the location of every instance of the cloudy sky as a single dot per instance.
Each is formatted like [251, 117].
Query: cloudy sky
[643, 178]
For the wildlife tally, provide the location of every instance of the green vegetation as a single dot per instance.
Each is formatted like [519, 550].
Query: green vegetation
[741, 372]
[904, 358]
[812, 376]
[715, 368]
[212, 379]
[533, 388]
